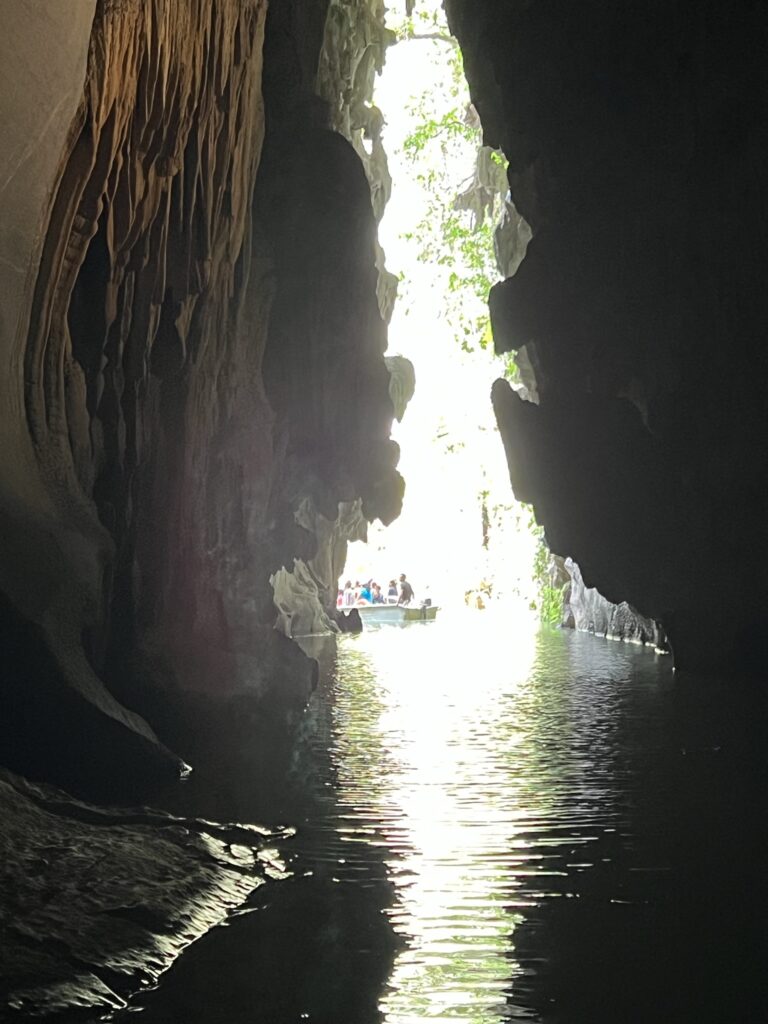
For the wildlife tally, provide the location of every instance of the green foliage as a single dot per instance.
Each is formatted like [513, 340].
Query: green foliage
[443, 145]
[432, 128]
[424, 24]
[511, 369]
[456, 231]
[448, 441]
[551, 596]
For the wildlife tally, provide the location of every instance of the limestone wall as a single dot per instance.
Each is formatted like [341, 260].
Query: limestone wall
[192, 324]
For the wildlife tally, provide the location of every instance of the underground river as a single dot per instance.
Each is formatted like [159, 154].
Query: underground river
[496, 822]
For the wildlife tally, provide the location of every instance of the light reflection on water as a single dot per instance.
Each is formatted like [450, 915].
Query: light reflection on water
[486, 761]
[556, 831]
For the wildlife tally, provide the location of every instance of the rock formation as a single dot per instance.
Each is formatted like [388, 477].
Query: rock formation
[194, 400]
[196, 405]
[352, 51]
[98, 902]
[636, 138]
[585, 609]
[193, 321]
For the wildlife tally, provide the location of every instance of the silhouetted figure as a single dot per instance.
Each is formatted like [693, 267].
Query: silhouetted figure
[406, 590]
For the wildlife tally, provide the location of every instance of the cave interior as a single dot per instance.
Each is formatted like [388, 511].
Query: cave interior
[195, 305]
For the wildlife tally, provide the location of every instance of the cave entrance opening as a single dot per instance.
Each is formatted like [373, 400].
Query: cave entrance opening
[449, 233]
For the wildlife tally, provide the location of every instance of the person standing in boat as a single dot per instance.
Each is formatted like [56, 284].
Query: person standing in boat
[392, 594]
[406, 591]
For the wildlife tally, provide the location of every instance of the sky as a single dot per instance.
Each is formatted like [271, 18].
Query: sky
[437, 541]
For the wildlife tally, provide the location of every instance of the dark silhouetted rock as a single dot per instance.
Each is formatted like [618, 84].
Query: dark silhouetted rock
[96, 903]
[636, 138]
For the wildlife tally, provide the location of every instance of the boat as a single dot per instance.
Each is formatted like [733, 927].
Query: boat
[395, 614]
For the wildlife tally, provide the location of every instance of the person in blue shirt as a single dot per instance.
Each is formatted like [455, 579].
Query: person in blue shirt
[365, 594]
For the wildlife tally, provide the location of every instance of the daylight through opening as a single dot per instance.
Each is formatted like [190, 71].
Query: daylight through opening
[450, 232]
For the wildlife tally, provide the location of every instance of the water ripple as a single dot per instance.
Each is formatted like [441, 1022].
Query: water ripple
[492, 776]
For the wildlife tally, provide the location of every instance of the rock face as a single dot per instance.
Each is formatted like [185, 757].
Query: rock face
[98, 903]
[588, 611]
[323, 236]
[636, 137]
[194, 314]
[193, 318]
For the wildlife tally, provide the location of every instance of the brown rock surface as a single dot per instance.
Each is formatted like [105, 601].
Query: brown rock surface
[182, 369]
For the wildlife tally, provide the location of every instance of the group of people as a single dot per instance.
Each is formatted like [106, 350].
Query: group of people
[371, 593]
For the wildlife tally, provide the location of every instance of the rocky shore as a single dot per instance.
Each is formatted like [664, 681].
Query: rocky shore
[99, 902]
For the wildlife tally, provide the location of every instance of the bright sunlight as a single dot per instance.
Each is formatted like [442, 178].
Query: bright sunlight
[461, 536]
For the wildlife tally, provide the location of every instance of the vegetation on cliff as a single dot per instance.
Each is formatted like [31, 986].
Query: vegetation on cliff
[461, 528]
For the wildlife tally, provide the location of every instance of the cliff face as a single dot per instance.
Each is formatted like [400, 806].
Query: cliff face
[636, 137]
[192, 327]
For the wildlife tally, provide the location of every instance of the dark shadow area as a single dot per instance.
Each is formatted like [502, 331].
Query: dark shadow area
[44, 722]
[666, 921]
[312, 948]
[316, 946]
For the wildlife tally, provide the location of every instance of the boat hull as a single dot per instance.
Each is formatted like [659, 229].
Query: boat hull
[395, 614]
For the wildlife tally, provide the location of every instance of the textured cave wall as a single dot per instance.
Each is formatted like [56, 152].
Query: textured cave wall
[322, 191]
[586, 610]
[54, 551]
[194, 324]
[636, 135]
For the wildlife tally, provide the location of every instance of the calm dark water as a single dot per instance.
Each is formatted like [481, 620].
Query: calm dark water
[498, 823]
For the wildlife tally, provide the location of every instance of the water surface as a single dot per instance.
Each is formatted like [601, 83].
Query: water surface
[500, 823]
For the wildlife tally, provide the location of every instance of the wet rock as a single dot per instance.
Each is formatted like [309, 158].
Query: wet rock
[80, 736]
[587, 610]
[349, 622]
[95, 904]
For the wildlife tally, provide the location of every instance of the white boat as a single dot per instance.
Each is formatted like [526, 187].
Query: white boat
[395, 614]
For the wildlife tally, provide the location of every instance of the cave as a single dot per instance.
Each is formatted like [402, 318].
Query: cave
[195, 308]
